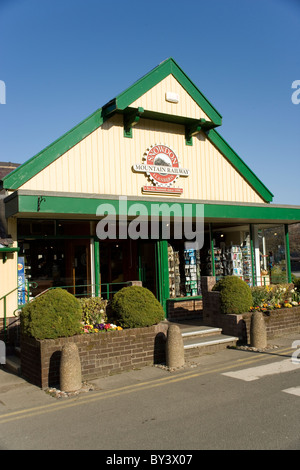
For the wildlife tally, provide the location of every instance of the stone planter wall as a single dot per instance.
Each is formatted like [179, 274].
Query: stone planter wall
[100, 353]
[278, 322]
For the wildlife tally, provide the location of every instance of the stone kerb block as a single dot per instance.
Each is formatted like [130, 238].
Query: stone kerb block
[174, 348]
[258, 331]
[70, 368]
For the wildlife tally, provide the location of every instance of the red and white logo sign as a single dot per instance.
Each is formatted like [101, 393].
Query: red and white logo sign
[161, 166]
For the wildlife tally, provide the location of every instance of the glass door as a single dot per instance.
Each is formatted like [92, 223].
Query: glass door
[78, 267]
[147, 265]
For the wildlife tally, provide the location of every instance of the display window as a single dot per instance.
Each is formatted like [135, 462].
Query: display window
[271, 254]
[184, 270]
[232, 253]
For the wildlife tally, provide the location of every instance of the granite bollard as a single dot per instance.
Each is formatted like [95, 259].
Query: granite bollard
[258, 332]
[70, 368]
[174, 347]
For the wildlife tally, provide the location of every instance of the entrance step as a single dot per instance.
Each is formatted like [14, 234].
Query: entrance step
[13, 364]
[200, 331]
[198, 340]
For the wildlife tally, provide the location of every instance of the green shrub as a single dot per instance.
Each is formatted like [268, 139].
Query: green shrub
[136, 307]
[54, 314]
[93, 310]
[235, 295]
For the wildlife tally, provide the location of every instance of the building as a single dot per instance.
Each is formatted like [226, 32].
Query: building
[147, 165]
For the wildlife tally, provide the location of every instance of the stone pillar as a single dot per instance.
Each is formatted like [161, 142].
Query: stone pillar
[258, 331]
[207, 283]
[70, 368]
[135, 283]
[174, 347]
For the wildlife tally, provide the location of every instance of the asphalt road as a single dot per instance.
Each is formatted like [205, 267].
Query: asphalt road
[231, 400]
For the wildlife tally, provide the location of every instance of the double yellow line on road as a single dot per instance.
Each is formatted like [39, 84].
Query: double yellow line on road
[107, 394]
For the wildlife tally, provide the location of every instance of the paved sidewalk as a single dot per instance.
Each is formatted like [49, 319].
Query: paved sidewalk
[16, 393]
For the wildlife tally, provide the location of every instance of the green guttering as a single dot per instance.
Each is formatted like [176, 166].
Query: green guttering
[86, 205]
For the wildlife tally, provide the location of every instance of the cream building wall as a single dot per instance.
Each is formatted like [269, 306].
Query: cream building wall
[102, 164]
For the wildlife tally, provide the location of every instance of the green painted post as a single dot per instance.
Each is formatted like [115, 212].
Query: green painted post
[212, 250]
[163, 273]
[252, 256]
[287, 253]
[4, 320]
[97, 267]
[158, 272]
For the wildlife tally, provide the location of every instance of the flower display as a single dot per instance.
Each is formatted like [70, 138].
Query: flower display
[266, 298]
[99, 327]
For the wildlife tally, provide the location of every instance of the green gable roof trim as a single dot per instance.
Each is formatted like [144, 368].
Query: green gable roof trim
[240, 166]
[144, 84]
[34, 165]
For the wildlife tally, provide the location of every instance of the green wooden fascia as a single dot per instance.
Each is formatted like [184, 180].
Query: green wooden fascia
[83, 206]
[239, 164]
[148, 81]
[48, 155]
[6, 250]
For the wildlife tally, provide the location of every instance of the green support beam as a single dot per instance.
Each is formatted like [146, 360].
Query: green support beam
[130, 120]
[212, 250]
[287, 253]
[163, 273]
[97, 267]
[252, 256]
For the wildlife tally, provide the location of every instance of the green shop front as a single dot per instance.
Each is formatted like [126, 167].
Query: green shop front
[117, 199]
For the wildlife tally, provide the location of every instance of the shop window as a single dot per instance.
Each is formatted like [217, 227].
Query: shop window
[271, 255]
[184, 271]
[294, 234]
[57, 263]
[53, 227]
[36, 227]
[231, 254]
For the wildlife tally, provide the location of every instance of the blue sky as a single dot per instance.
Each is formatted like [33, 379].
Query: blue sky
[61, 60]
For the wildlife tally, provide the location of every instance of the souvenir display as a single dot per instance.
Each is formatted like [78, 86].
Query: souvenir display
[184, 273]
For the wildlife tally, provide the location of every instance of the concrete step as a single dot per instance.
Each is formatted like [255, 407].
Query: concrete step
[198, 340]
[13, 364]
[202, 331]
[17, 351]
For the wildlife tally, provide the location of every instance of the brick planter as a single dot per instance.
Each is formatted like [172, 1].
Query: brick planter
[278, 322]
[186, 309]
[100, 353]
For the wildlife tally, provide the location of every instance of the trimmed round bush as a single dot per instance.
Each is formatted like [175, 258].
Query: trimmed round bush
[136, 307]
[235, 295]
[54, 314]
